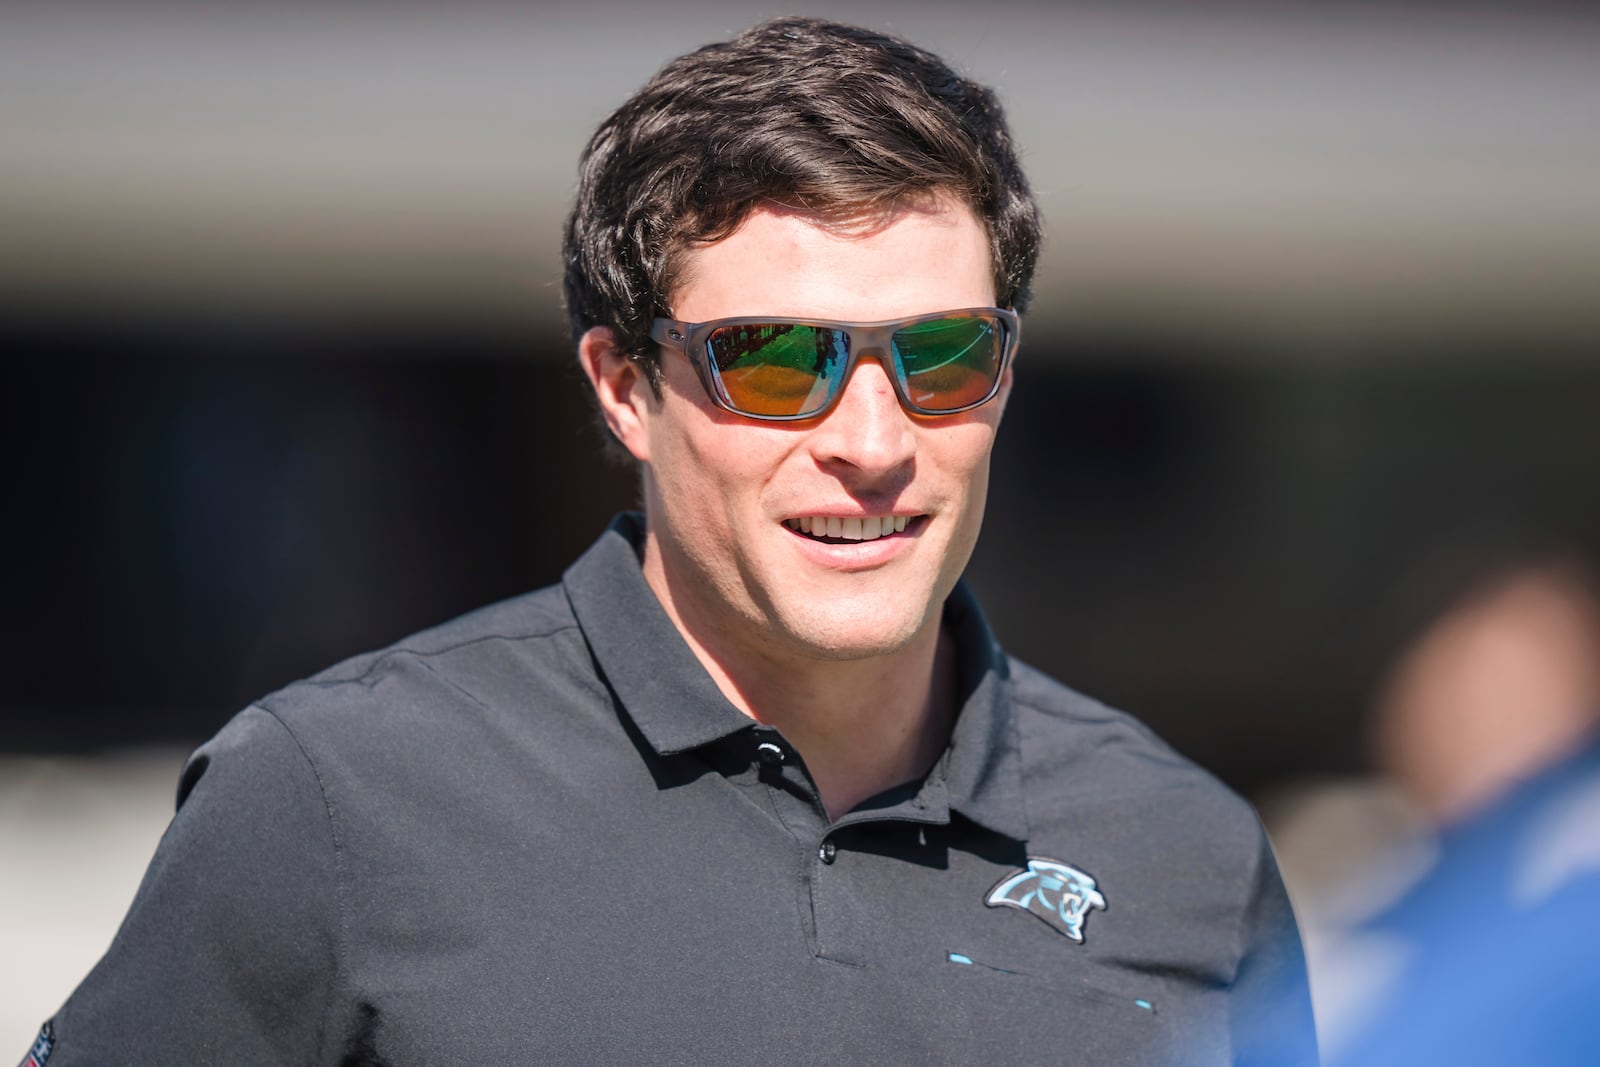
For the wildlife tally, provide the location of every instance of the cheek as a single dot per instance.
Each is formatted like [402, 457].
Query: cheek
[962, 454]
[706, 462]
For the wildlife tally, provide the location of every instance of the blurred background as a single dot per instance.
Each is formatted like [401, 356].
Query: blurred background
[1311, 358]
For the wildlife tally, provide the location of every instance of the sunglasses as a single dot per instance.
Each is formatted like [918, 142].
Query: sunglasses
[786, 369]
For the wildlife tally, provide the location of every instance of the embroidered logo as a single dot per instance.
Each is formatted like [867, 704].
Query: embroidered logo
[40, 1053]
[1060, 895]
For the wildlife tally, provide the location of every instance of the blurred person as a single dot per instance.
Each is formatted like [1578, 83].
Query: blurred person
[1503, 684]
[1490, 722]
[755, 781]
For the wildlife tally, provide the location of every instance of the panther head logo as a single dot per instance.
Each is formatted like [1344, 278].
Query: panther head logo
[1061, 895]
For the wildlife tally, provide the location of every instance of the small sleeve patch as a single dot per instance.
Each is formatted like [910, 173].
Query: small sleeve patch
[39, 1055]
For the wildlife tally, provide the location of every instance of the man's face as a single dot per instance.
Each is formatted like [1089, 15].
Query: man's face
[724, 493]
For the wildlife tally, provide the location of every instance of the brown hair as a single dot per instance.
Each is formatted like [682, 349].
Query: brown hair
[827, 118]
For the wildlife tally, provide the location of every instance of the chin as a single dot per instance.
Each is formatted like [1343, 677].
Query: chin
[857, 628]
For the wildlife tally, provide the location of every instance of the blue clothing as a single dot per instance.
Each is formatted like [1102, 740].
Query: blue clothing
[1504, 936]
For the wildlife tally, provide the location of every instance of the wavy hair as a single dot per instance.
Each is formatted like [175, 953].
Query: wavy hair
[831, 119]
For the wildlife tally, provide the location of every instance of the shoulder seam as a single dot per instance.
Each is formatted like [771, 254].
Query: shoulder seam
[1110, 714]
[340, 894]
[388, 654]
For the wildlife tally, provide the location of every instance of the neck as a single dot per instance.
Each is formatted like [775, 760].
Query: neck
[862, 725]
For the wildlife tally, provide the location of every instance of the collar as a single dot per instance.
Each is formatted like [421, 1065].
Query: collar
[675, 705]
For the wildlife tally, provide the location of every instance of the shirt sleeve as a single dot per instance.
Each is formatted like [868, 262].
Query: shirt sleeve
[1270, 999]
[229, 953]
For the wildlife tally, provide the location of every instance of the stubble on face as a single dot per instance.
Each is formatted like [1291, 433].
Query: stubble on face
[724, 492]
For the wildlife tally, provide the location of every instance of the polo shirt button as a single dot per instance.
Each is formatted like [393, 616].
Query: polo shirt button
[769, 753]
[827, 851]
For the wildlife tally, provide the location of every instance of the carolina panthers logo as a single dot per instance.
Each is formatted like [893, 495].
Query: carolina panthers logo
[1060, 895]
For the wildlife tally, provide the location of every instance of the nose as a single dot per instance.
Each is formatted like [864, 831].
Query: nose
[867, 429]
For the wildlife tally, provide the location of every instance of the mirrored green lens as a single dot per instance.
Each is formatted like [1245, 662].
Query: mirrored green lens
[952, 362]
[777, 368]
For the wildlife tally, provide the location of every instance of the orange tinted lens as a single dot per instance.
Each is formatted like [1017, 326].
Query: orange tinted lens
[950, 363]
[777, 368]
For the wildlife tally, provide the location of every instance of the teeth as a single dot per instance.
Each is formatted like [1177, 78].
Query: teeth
[850, 529]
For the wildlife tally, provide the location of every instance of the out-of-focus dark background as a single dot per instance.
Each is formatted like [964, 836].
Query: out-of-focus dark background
[287, 375]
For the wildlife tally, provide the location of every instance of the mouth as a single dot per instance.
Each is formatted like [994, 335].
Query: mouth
[835, 530]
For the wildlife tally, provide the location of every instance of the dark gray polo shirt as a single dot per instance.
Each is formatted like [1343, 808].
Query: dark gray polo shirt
[539, 834]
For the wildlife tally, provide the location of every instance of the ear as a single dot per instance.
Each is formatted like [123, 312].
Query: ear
[620, 387]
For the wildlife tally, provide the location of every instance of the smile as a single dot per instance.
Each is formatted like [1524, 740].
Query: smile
[855, 528]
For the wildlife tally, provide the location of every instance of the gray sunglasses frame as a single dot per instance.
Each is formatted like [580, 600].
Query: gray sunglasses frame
[692, 339]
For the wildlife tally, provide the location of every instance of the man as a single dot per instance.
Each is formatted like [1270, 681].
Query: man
[754, 783]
